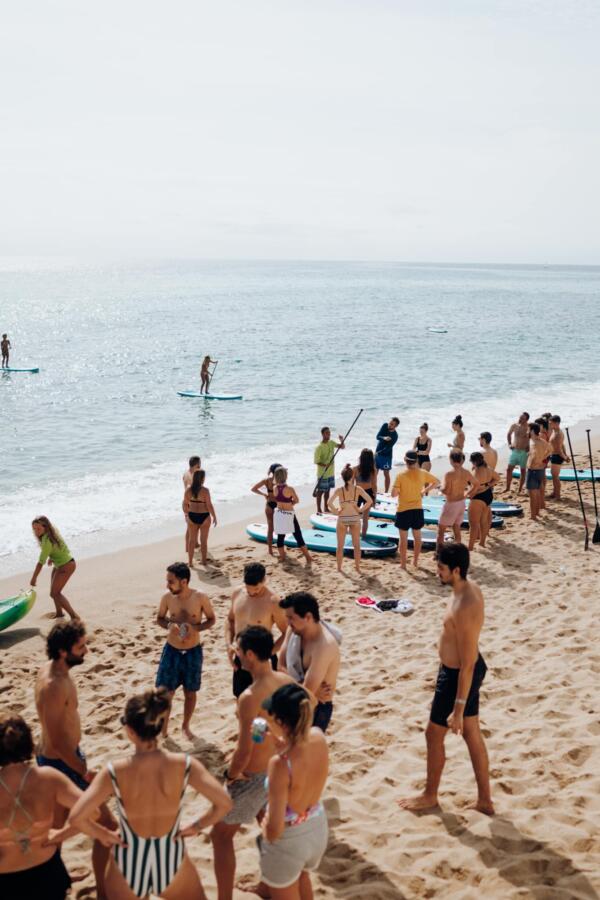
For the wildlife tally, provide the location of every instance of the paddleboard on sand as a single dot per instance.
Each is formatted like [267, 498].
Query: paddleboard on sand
[10, 369]
[431, 511]
[325, 541]
[499, 508]
[209, 396]
[376, 531]
[567, 474]
[15, 608]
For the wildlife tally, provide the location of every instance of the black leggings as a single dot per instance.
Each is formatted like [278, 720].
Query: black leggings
[297, 534]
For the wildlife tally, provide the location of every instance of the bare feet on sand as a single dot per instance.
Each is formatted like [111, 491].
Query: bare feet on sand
[260, 889]
[486, 807]
[422, 801]
[188, 733]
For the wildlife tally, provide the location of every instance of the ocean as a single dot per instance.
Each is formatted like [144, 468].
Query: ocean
[99, 439]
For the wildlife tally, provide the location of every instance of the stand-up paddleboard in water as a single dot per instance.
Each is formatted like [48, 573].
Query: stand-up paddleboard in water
[13, 609]
[210, 396]
[376, 531]
[34, 370]
[326, 542]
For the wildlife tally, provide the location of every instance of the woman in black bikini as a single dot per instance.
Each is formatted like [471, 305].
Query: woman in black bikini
[422, 445]
[365, 477]
[200, 511]
[269, 493]
[481, 496]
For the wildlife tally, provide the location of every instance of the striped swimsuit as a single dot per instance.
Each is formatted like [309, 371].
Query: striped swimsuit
[148, 864]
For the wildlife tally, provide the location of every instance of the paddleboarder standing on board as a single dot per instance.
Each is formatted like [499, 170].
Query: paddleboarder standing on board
[206, 374]
[6, 345]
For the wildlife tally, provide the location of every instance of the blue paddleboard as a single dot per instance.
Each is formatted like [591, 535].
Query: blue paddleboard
[567, 474]
[10, 369]
[432, 513]
[499, 508]
[325, 542]
[376, 531]
[210, 396]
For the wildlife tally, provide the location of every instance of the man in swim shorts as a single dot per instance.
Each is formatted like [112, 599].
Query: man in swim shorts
[455, 485]
[5, 345]
[559, 455]
[539, 451]
[310, 652]
[252, 603]
[386, 438]
[58, 712]
[518, 442]
[462, 670]
[323, 458]
[248, 767]
[184, 613]
[409, 487]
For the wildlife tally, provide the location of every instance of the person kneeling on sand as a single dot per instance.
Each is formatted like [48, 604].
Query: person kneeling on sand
[311, 652]
[462, 670]
[149, 852]
[184, 613]
[248, 766]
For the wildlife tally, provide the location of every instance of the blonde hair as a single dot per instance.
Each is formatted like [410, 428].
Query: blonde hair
[280, 475]
[302, 727]
[49, 529]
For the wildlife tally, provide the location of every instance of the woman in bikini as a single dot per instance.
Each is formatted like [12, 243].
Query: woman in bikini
[422, 445]
[30, 861]
[200, 511]
[481, 496]
[149, 852]
[365, 477]
[205, 374]
[55, 551]
[459, 435]
[266, 488]
[344, 505]
[284, 519]
[294, 829]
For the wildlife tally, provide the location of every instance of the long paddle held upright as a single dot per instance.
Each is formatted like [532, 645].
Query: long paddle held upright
[596, 534]
[585, 524]
[360, 412]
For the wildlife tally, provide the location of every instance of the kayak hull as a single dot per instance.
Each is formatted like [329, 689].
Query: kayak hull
[13, 609]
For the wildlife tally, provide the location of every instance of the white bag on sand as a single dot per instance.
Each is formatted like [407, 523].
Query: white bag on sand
[283, 521]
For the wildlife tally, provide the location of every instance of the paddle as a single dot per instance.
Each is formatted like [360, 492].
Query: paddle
[360, 412]
[596, 535]
[212, 374]
[587, 533]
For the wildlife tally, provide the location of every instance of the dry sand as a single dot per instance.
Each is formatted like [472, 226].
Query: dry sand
[540, 709]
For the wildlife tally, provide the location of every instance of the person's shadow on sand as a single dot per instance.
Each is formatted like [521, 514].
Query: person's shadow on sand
[16, 636]
[522, 860]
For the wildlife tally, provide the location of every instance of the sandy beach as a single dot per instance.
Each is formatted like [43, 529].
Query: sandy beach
[540, 707]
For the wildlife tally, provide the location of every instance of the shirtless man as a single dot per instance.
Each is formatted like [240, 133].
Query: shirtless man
[539, 451]
[253, 603]
[181, 613]
[5, 345]
[489, 454]
[248, 766]
[455, 486]
[518, 442]
[58, 712]
[559, 455]
[193, 466]
[310, 652]
[456, 701]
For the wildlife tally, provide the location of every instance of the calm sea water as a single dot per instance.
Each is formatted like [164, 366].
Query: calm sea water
[99, 439]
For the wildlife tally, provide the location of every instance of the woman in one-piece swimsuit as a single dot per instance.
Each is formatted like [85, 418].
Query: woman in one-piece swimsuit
[422, 445]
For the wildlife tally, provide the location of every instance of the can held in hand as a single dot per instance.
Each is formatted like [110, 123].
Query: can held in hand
[259, 729]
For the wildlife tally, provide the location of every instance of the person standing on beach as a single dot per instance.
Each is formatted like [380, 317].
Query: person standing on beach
[518, 443]
[384, 451]
[489, 454]
[481, 497]
[252, 603]
[539, 451]
[323, 459]
[365, 477]
[459, 435]
[268, 493]
[200, 512]
[206, 374]
[422, 446]
[248, 767]
[193, 466]
[409, 487]
[184, 613]
[348, 515]
[462, 670]
[58, 712]
[5, 345]
[55, 551]
[284, 518]
[544, 423]
[311, 652]
[455, 485]
[559, 455]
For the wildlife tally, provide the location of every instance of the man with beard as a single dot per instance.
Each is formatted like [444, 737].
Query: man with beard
[462, 669]
[184, 613]
[57, 706]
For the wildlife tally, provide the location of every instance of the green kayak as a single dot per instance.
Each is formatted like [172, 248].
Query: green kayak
[15, 608]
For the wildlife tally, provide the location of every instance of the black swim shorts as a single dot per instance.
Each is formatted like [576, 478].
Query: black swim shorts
[410, 518]
[445, 693]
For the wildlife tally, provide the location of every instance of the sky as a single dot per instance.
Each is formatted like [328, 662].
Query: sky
[317, 129]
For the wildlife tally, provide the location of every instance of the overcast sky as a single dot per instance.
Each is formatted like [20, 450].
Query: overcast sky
[456, 130]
